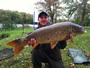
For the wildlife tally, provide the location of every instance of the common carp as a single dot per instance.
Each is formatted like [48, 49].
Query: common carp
[49, 34]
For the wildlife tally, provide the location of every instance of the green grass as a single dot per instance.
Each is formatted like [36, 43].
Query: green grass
[24, 57]
[80, 42]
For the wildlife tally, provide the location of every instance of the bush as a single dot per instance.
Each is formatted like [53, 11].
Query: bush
[3, 35]
[8, 26]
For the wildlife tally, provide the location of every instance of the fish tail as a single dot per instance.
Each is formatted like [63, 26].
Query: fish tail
[12, 43]
[18, 44]
[18, 49]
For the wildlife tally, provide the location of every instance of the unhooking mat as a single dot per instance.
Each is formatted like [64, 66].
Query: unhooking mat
[78, 56]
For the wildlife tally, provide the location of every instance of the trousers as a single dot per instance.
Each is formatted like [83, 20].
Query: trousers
[53, 59]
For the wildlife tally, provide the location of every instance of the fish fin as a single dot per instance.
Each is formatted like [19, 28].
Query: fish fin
[18, 49]
[35, 45]
[18, 44]
[12, 43]
[53, 44]
[71, 39]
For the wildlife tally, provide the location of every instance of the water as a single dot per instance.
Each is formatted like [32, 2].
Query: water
[0, 25]
[20, 25]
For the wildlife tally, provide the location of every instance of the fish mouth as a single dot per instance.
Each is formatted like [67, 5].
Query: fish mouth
[84, 32]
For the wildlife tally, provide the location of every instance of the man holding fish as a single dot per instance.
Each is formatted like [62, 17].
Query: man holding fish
[43, 52]
[47, 41]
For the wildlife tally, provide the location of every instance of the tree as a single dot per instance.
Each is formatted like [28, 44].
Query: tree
[15, 17]
[77, 8]
[51, 6]
[9, 19]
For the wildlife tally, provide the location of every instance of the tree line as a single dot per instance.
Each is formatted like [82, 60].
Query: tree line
[9, 19]
[15, 17]
[77, 11]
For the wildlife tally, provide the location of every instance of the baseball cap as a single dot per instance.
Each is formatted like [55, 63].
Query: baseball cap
[42, 13]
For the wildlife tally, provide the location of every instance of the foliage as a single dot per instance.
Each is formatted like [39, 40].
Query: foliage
[3, 35]
[8, 26]
[9, 19]
[23, 59]
[15, 16]
[78, 9]
[52, 7]
[86, 20]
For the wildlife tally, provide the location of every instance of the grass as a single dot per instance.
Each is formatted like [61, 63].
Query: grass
[80, 42]
[23, 59]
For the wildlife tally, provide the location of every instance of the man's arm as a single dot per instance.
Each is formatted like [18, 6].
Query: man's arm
[62, 44]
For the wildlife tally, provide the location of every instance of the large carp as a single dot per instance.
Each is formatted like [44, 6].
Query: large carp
[49, 34]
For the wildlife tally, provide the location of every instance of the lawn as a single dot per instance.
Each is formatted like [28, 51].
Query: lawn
[23, 59]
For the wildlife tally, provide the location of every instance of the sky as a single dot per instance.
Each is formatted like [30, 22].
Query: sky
[26, 6]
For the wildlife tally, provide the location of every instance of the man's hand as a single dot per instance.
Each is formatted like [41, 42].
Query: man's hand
[31, 42]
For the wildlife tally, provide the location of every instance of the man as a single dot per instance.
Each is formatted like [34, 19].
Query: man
[43, 52]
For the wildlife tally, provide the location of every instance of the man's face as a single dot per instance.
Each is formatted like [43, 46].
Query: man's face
[43, 20]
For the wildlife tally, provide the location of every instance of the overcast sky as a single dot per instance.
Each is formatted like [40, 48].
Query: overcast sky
[19, 5]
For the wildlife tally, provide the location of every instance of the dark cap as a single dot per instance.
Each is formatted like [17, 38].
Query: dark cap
[39, 15]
